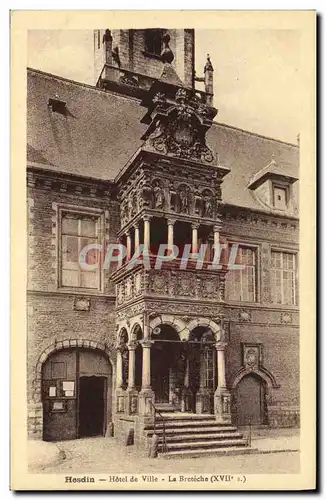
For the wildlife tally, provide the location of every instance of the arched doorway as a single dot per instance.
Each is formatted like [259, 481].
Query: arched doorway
[167, 365]
[251, 400]
[76, 394]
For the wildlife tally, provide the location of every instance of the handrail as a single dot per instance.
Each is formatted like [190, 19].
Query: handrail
[249, 434]
[156, 411]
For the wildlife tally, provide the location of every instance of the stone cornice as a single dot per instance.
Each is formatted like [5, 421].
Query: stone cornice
[61, 293]
[245, 212]
[60, 182]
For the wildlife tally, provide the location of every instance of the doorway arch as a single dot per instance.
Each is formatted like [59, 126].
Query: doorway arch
[76, 393]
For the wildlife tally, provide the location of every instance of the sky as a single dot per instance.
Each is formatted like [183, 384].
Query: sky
[257, 84]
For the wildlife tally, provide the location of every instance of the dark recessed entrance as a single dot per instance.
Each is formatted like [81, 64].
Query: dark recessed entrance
[92, 391]
[165, 357]
[76, 394]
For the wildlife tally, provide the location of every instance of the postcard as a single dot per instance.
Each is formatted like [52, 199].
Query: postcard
[169, 300]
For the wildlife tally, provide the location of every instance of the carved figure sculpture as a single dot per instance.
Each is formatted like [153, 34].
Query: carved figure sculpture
[184, 200]
[159, 197]
[207, 205]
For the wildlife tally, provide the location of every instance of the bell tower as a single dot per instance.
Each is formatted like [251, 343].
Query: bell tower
[128, 61]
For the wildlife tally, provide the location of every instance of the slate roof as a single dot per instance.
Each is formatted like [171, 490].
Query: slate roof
[101, 131]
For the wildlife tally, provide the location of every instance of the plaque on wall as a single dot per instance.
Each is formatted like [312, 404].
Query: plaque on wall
[251, 356]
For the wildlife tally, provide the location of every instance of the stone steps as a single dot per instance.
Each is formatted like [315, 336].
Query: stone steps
[192, 425]
[182, 431]
[236, 450]
[209, 444]
[201, 437]
[186, 434]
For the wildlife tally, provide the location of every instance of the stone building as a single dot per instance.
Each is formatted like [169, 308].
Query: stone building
[139, 159]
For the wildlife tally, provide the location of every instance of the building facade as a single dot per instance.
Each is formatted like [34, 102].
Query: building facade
[139, 160]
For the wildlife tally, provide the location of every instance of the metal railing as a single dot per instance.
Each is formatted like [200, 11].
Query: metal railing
[249, 434]
[164, 447]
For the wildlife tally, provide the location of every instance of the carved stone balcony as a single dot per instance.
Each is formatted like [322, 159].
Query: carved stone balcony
[135, 84]
[169, 282]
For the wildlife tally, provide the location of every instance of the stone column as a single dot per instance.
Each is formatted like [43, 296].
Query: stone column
[194, 246]
[128, 254]
[136, 226]
[120, 261]
[186, 398]
[146, 395]
[170, 232]
[120, 393]
[132, 393]
[132, 366]
[146, 375]
[222, 397]
[119, 378]
[147, 232]
[221, 382]
[217, 252]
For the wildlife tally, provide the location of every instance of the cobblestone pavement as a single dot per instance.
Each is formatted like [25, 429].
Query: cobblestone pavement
[105, 455]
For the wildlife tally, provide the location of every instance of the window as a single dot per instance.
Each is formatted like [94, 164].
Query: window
[209, 368]
[77, 231]
[153, 41]
[241, 282]
[283, 278]
[280, 197]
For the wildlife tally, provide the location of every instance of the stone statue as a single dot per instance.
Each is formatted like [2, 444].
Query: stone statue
[208, 206]
[184, 200]
[159, 197]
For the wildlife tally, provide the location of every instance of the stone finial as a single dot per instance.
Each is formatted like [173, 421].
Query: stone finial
[107, 37]
[273, 158]
[208, 65]
[167, 55]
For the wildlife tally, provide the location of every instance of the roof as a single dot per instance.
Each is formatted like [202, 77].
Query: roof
[101, 131]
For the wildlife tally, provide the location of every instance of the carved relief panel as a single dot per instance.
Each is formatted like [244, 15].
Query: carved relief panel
[251, 356]
[167, 283]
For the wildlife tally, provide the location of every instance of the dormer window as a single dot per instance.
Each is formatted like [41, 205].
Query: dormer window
[153, 42]
[272, 186]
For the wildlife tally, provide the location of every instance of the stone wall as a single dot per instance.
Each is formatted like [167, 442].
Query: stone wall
[274, 327]
[62, 317]
[132, 56]
[282, 414]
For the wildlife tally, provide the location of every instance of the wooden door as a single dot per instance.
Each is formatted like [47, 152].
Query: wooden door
[76, 385]
[59, 394]
[250, 400]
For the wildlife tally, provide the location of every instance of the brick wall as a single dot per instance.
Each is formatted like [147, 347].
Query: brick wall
[275, 327]
[53, 314]
[131, 53]
[42, 227]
